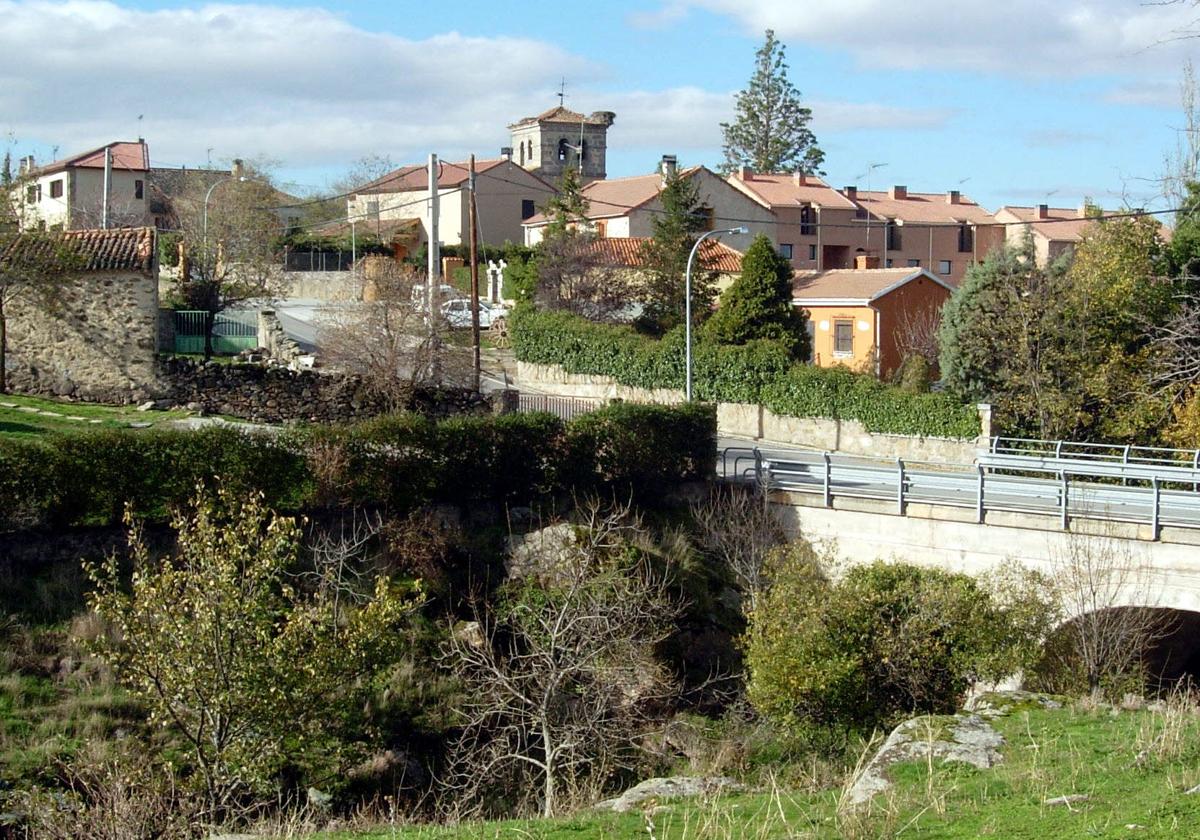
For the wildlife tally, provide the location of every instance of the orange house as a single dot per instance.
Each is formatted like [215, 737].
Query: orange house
[856, 316]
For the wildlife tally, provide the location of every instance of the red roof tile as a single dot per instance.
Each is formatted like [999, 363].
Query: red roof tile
[1061, 224]
[119, 249]
[565, 115]
[627, 253]
[416, 176]
[928, 208]
[784, 190]
[854, 284]
[126, 156]
[616, 197]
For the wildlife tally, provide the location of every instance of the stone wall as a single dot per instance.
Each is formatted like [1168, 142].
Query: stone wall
[276, 395]
[760, 424]
[330, 286]
[98, 344]
[273, 338]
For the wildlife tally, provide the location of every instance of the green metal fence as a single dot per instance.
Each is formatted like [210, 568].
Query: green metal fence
[230, 335]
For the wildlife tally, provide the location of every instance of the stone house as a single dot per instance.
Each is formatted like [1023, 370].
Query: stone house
[69, 193]
[627, 207]
[100, 339]
[506, 195]
[857, 317]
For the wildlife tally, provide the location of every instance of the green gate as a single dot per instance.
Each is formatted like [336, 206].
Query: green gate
[230, 335]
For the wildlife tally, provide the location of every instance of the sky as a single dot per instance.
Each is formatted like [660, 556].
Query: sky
[1020, 102]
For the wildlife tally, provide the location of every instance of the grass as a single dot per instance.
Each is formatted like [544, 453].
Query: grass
[36, 416]
[1133, 766]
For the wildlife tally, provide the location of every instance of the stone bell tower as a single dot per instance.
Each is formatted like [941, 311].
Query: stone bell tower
[561, 139]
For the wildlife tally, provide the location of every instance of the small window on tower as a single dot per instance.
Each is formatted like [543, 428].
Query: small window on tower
[562, 150]
[139, 189]
[583, 149]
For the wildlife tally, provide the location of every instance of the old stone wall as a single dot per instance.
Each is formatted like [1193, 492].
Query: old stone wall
[273, 338]
[98, 343]
[760, 424]
[266, 394]
[331, 286]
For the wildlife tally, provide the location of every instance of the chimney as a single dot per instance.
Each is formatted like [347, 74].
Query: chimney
[26, 165]
[953, 197]
[862, 261]
[800, 179]
[745, 173]
[238, 169]
[506, 152]
[1043, 211]
[850, 193]
[898, 193]
[668, 166]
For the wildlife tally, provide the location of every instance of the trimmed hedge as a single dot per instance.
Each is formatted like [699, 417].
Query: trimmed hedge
[398, 462]
[759, 372]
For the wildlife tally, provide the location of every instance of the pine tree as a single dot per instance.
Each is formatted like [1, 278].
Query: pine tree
[759, 304]
[6, 176]
[661, 288]
[770, 132]
[567, 208]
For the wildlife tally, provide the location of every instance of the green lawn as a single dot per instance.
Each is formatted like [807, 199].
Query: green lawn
[1076, 751]
[27, 416]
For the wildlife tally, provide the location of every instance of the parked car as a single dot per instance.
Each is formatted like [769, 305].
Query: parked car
[445, 292]
[458, 313]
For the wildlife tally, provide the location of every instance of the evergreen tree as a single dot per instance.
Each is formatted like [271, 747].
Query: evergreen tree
[1183, 252]
[567, 208]
[759, 304]
[661, 288]
[6, 175]
[770, 132]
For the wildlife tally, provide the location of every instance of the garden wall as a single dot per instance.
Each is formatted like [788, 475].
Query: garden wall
[761, 424]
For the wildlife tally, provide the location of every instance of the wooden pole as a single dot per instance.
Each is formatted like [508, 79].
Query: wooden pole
[474, 275]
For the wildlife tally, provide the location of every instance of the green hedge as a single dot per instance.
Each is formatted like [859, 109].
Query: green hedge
[397, 462]
[759, 373]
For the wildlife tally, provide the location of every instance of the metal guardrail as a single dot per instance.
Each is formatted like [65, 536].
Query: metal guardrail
[1095, 453]
[568, 408]
[1039, 490]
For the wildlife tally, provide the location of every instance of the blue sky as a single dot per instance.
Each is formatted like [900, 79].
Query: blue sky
[1019, 104]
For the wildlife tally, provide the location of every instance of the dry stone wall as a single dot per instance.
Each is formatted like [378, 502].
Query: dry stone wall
[97, 344]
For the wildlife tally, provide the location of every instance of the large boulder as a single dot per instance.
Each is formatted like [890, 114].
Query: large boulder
[669, 788]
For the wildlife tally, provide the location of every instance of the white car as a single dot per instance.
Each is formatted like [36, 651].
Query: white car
[458, 313]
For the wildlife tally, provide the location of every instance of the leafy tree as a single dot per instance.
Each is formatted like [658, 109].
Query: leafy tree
[226, 646]
[758, 305]
[1183, 252]
[661, 285]
[884, 641]
[770, 132]
[1010, 335]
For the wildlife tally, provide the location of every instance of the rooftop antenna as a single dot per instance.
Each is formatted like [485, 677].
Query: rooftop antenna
[210, 151]
[562, 92]
[139, 134]
[871, 167]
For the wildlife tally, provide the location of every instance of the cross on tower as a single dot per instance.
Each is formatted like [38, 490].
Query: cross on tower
[562, 92]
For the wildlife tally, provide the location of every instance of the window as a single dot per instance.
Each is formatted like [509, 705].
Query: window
[843, 338]
[812, 253]
[33, 193]
[601, 228]
[966, 239]
[583, 149]
[521, 153]
[914, 263]
[807, 220]
[893, 235]
[945, 266]
[708, 217]
[562, 150]
[785, 250]
[889, 262]
[531, 151]
[56, 188]
[527, 208]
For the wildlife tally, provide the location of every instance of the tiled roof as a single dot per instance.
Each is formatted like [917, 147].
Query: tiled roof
[386, 229]
[627, 252]
[782, 190]
[853, 284]
[1061, 224]
[119, 249]
[560, 114]
[618, 196]
[126, 156]
[923, 207]
[416, 177]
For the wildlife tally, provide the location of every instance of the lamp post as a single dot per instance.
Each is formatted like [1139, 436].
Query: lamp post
[687, 329]
[207, 196]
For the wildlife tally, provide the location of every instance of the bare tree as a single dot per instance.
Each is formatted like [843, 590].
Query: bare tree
[1181, 165]
[387, 338]
[560, 678]
[917, 333]
[1177, 345]
[574, 275]
[737, 527]
[1103, 589]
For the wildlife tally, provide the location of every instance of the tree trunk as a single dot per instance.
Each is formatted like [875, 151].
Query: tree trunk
[3, 349]
[548, 791]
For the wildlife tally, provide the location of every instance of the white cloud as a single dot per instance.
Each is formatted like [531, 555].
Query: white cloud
[1018, 37]
[300, 85]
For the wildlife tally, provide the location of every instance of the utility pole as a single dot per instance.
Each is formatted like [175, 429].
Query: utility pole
[108, 161]
[474, 276]
[434, 270]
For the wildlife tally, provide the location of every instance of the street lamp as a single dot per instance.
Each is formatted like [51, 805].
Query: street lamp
[688, 306]
[207, 196]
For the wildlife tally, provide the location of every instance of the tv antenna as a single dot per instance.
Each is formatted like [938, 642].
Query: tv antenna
[562, 92]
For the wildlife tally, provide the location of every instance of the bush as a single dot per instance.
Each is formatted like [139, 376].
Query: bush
[760, 371]
[885, 641]
[398, 462]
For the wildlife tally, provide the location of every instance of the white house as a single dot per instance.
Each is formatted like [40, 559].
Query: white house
[69, 193]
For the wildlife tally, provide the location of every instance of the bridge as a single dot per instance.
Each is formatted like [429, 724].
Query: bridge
[1023, 500]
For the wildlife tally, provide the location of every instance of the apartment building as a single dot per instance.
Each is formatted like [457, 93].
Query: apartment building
[1055, 230]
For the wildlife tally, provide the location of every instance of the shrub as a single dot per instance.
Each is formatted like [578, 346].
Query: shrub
[884, 641]
[398, 462]
[759, 371]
